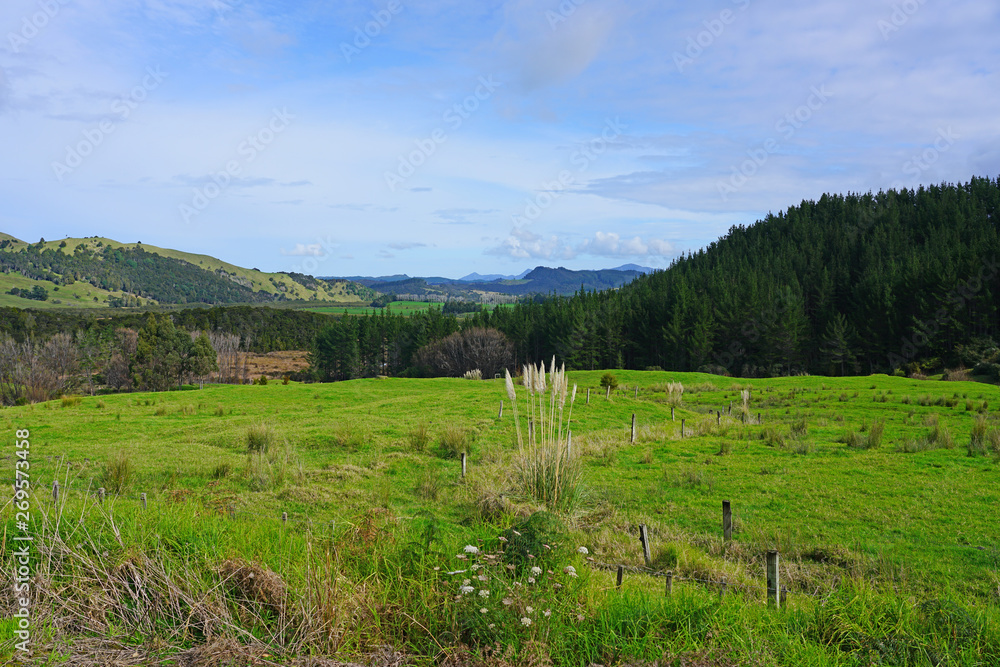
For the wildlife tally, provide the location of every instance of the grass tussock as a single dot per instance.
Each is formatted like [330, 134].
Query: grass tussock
[474, 374]
[119, 472]
[271, 469]
[453, 441]
[983, 440]
[419, 436]
[260, 437]
[71, 401]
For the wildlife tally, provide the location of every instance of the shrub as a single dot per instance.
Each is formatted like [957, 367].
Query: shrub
[260, 437]
[285, 379]
[119, 472]
[70, 401]
[608, 380]
[262, 380]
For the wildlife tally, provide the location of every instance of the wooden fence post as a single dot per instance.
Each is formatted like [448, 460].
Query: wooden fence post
[588, 395]
[621, 574]
[632, 439]
[773, 584]
[671, 413]
[682, 427]
[637, 392]
[284, 517]
[644, 538]
[500, 416]
[669, 588]
[727, 521]
[608, 394]
[758, 418]
[55, 490]
[718, 418]
[142, 497]
[464, 458]
[100, 494]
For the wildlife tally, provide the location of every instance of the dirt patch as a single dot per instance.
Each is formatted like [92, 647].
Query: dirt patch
[277, 364]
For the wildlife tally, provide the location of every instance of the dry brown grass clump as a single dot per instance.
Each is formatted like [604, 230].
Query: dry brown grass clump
[255, 584]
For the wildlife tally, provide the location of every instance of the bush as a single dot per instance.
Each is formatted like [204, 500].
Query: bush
[609, 380]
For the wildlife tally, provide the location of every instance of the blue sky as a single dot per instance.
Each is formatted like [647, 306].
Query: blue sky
[445, 137]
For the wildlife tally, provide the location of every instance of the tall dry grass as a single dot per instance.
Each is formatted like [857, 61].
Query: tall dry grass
[545, 468]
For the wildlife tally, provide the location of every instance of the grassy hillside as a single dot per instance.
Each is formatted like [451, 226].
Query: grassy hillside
[258, 281]
[77, 295]
[887, 538]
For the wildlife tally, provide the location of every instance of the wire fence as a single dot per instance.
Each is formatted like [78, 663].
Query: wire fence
[56, 492]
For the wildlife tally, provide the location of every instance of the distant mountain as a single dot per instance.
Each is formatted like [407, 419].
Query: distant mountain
[540, 280]
[634, 267]
[488, 278]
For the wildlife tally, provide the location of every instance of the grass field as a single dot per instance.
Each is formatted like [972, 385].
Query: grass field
[396, 307]
[77, 295]
[888, 538]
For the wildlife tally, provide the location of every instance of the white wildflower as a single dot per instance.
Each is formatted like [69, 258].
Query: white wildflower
[482, 610]
[465, 590]
[469, 549]
[530, 610]
[583, 550]
[466, 582]
[483, 577]
[531, 580]
[547, 612]
[525, 621]
[475, 566]
[484, 593]
[507, 602]
[570, 570]
[536, 571]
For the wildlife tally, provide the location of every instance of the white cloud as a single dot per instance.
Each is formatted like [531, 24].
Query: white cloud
[302, 250]
[610, 244]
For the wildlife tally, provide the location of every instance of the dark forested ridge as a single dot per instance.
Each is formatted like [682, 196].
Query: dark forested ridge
[847, 284]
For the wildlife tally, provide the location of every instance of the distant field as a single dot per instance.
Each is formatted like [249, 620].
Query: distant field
[910, 520]
[397, 307]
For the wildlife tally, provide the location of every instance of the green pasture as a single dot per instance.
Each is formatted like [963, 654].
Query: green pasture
[877, 529]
